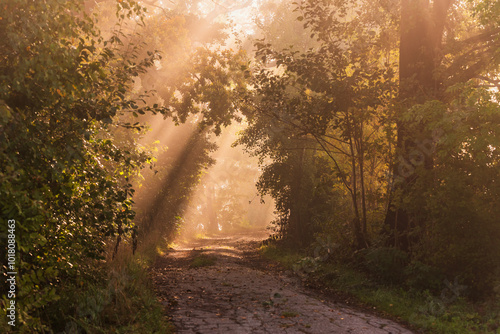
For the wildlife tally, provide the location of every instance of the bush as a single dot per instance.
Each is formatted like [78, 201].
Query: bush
[386, 264]
[421, 276]
[121, 302]
[65, 176]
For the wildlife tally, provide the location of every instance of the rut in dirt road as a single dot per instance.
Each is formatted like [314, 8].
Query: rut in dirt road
[214, 289]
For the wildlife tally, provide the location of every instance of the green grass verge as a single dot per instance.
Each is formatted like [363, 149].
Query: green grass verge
[121, 301]
[286, 257]
[420, 309]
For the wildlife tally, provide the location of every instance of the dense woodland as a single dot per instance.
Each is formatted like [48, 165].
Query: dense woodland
[376, 126]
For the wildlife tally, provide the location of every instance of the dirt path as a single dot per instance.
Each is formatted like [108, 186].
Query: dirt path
[215, 286]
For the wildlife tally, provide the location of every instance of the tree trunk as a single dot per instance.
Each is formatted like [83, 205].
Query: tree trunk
[361, 163]
[297, 229]
[421, 31]
[356, 221]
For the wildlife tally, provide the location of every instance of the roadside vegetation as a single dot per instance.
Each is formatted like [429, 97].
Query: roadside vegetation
[71, 160]
[113, 298]
[380, 132]
[442, 311]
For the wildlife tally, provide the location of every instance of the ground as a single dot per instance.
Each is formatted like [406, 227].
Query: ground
[221, 285]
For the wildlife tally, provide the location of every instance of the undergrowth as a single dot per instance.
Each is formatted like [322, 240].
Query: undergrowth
[286, 257]
[120, 299]
[432, 312]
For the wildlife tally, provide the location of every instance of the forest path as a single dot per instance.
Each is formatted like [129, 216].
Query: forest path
[221, 285]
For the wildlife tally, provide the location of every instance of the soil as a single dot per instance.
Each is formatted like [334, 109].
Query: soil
[221, 285]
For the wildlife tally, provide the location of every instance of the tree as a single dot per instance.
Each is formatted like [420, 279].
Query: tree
[199, 78]
[429, 65]
[329, 99]
[339, 100]
[167, 190]
[65, 174]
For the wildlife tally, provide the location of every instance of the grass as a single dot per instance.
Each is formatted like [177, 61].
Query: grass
[287, 258]
[420, 309]
[202, 261]
[118, 298]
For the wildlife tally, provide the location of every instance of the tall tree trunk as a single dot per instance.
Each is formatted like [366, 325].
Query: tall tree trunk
[299, 228]
[361, 163]
[421, 30]
[356, 222]
[294, 228]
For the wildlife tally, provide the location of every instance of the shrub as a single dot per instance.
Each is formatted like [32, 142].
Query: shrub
[386, 264]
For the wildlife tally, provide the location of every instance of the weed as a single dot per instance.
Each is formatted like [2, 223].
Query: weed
[306, 265]
[289, 314]
[268, 303]
[203, 261]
